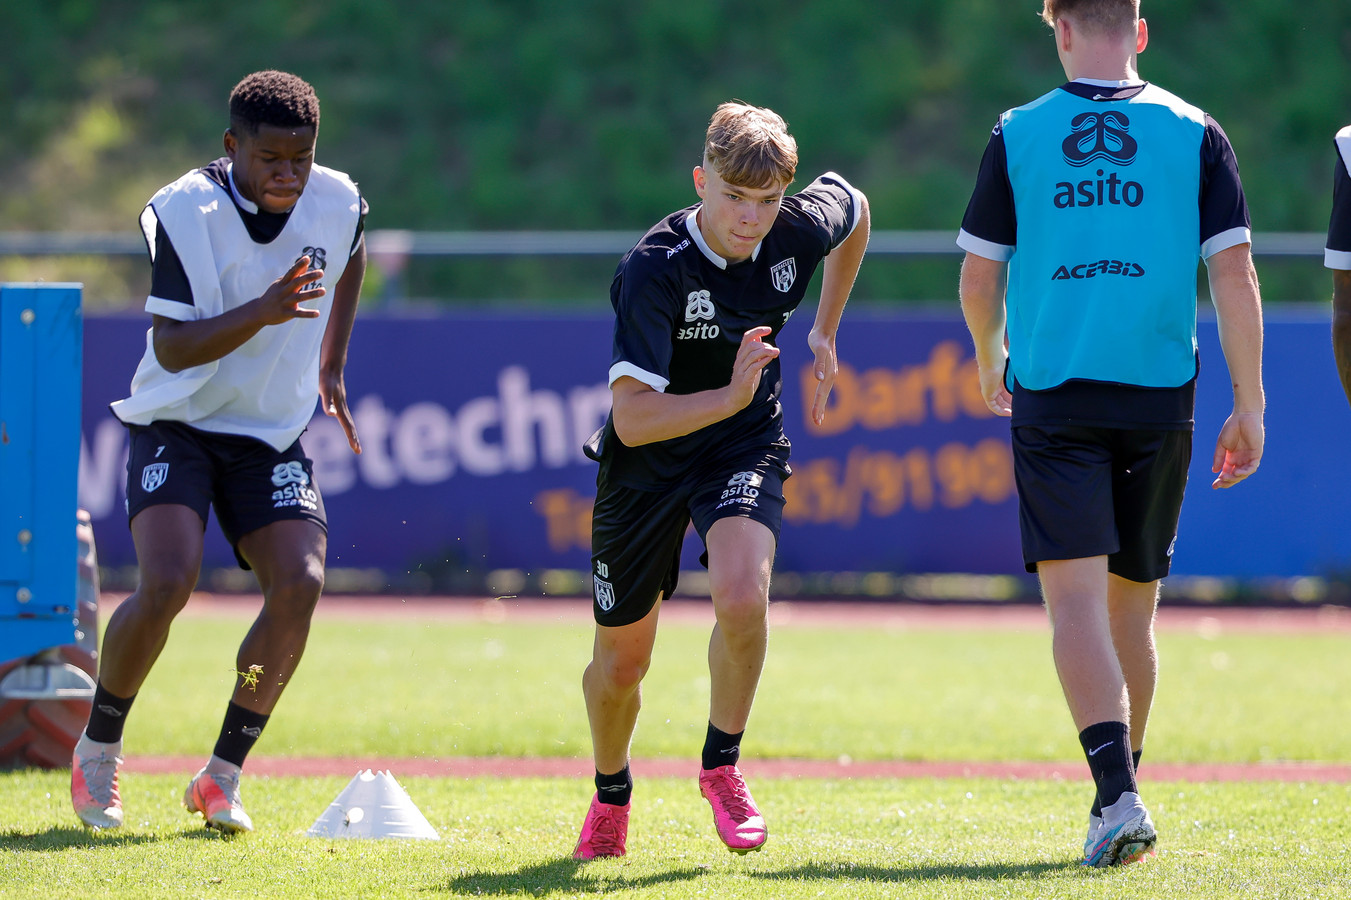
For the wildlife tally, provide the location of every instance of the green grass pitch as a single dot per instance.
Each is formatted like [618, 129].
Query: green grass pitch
[413, 687]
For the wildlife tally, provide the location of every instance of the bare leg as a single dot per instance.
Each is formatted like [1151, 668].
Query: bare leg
[288, 558]
[740, 556]
[1131, 606]
[1081, 643]
[168, 543]
[612, 687]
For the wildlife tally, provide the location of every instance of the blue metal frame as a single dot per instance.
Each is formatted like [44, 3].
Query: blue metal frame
[41, 349]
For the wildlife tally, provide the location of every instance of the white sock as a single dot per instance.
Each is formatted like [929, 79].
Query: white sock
[217, 766]
[86, 746]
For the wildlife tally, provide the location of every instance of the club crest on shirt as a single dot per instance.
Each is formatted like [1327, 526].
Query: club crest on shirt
[784, 274]
[154, 475]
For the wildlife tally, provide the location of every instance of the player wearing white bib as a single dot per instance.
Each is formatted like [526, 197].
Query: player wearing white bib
[258, 260]
[696, 436]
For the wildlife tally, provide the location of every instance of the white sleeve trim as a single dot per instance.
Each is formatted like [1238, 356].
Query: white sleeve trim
[1344, 147]
[170, 309]
[854, 195]
[1224, 240]
[1337, 259]
[981, 247]
[620, 369]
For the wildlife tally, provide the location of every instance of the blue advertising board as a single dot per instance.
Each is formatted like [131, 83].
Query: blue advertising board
[472, 426]
[40, 334]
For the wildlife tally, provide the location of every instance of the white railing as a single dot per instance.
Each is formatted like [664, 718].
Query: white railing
[393, 243]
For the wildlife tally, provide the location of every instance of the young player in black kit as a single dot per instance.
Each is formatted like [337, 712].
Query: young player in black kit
[696, 434]
[258, 260]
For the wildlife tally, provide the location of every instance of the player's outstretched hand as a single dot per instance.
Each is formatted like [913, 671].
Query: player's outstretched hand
[751, 358]
[1238, 451]
[281, 301]
[826, 368]
[333, 400]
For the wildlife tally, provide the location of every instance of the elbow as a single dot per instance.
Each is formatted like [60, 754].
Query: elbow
[167, 361]
[628, 435]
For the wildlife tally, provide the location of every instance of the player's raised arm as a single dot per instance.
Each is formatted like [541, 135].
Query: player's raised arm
[181, 345]
[643, 415]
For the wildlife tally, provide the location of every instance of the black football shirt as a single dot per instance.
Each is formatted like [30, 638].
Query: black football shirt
[680, 313]
[1337, 254]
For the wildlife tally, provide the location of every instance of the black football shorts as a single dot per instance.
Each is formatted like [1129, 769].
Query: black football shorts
[248, 481]
[1087, 491]
[637, 535]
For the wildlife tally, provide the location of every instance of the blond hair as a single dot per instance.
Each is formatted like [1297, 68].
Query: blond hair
[750, 147]
[1100, 17]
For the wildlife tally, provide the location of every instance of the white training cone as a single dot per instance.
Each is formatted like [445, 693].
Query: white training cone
[373, 805]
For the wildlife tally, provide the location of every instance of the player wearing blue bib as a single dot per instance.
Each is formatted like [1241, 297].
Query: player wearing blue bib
[696, 435]
[258, 260]
[1337, 257]
[1092, 207]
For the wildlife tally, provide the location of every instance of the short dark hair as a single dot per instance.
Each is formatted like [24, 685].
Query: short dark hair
[273, 98]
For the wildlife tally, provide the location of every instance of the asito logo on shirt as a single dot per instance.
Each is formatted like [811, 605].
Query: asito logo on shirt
[699, 306]
[1099, 136]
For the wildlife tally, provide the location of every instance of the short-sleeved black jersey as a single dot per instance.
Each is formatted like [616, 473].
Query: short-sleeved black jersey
[680, 313]
[1337, 254]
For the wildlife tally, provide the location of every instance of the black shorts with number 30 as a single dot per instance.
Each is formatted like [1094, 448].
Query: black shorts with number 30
[248, 481]
[637, 535]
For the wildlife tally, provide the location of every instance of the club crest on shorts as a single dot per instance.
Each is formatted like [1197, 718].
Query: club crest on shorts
[154, 475]
[784, 274]
[605, 593]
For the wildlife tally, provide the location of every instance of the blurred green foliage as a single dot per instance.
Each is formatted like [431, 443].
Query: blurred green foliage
[522, 114]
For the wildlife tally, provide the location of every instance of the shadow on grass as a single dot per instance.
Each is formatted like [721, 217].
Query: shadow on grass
[569, 874]
[845, 871]
[56, 840]
[560, 874]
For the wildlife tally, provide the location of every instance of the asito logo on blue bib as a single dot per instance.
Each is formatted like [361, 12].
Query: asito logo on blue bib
[1099, 135]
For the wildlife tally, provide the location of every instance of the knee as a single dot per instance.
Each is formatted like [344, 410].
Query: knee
[623, 672]
[163, 591]
[294, 592]
[741, 606]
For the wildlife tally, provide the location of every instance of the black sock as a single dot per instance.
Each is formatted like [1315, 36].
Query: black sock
[1135, 765]
[1107, 748]
[721, 748]
[616, 789]
[238, 733]
[108, 716]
